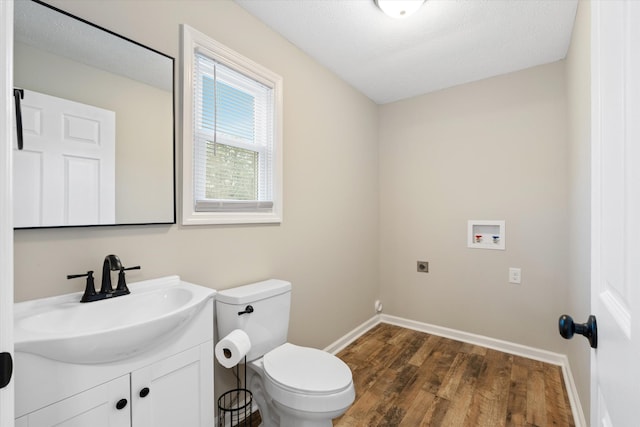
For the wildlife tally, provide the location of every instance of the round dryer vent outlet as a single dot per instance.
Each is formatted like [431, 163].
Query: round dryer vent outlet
[378, 306]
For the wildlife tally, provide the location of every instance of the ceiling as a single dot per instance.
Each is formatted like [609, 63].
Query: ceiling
[445, 43]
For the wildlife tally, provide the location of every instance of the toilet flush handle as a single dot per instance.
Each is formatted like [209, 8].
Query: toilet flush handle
[248, 309]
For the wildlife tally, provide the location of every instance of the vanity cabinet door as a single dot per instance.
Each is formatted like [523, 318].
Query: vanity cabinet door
[177, 391]
[96, 407]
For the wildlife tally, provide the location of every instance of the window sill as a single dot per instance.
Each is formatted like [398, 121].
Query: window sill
[221, 218]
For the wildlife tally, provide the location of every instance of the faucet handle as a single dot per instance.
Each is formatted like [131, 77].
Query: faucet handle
[75, 276]
[122, 289]
[90, 288]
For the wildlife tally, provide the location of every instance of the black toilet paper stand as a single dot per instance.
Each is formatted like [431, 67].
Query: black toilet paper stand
[237, 403]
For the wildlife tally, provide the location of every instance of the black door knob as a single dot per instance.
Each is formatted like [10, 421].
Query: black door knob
[121, 404]
[6, 368]
[144, 392]
[567, 328]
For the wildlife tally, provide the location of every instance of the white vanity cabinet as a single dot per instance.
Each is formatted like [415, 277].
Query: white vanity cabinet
[95, 407]
[166, 384]
[175, 391]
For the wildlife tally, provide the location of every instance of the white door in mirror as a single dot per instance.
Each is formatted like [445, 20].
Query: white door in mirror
[65, 175]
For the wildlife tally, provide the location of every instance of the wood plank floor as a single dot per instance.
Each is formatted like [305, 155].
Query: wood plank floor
[409, 378]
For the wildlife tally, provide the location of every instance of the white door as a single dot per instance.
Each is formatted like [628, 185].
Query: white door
[615, 282]
[6, 226]
[65, 174]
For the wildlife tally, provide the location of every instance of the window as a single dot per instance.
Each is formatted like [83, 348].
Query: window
[232, 148]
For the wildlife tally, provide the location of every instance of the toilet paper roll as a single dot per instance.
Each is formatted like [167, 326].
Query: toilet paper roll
[231, 349]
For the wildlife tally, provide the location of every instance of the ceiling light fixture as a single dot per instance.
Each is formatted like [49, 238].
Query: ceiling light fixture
[399, 8]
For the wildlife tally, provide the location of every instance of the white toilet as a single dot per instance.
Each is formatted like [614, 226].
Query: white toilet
[293, 386]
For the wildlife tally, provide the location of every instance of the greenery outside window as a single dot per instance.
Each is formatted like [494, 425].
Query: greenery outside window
[232, 148]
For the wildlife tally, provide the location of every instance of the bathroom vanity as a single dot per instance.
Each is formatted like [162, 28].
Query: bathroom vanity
[155, 370]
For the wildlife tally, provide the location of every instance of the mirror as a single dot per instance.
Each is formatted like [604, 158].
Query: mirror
[97, 116]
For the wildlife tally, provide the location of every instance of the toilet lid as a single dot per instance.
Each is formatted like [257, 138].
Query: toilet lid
[306, 369]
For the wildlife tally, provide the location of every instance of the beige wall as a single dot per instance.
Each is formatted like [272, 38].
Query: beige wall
[490, 150]
[327, 244]
[579, 108]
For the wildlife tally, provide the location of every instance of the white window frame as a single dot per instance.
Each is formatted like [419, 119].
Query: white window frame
[194, 41]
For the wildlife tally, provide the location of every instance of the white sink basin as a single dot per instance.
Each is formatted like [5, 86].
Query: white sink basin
[63, 329]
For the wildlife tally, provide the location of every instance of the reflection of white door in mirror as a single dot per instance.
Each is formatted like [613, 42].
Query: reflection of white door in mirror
[65, 175]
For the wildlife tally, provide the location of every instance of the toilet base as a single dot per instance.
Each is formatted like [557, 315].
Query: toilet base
[268, 415]
[274, 414]
[293, 418]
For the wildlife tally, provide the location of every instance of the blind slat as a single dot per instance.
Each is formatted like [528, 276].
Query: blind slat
[234, 147]
[233, 206]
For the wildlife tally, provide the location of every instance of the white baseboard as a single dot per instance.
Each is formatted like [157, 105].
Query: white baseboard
[481, 340]
[500, 345]
[350, 337]
[576, 407]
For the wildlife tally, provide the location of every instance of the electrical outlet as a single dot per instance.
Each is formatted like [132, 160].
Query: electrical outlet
[515, 275]
[423, 267]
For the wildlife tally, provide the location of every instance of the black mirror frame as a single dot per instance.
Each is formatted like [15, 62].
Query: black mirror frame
[173, 78]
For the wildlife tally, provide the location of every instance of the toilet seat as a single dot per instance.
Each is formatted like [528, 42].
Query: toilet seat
[307, 379]
[307, 370]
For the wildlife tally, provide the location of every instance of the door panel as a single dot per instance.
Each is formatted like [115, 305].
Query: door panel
[6, 214]
[615, 211]
[66, 172]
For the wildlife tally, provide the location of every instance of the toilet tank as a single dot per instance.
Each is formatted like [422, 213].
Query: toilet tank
[268, 324]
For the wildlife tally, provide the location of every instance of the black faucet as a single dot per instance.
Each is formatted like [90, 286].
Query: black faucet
[111, 263]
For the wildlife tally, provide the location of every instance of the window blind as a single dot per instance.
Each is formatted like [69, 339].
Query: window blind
[233, 139]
